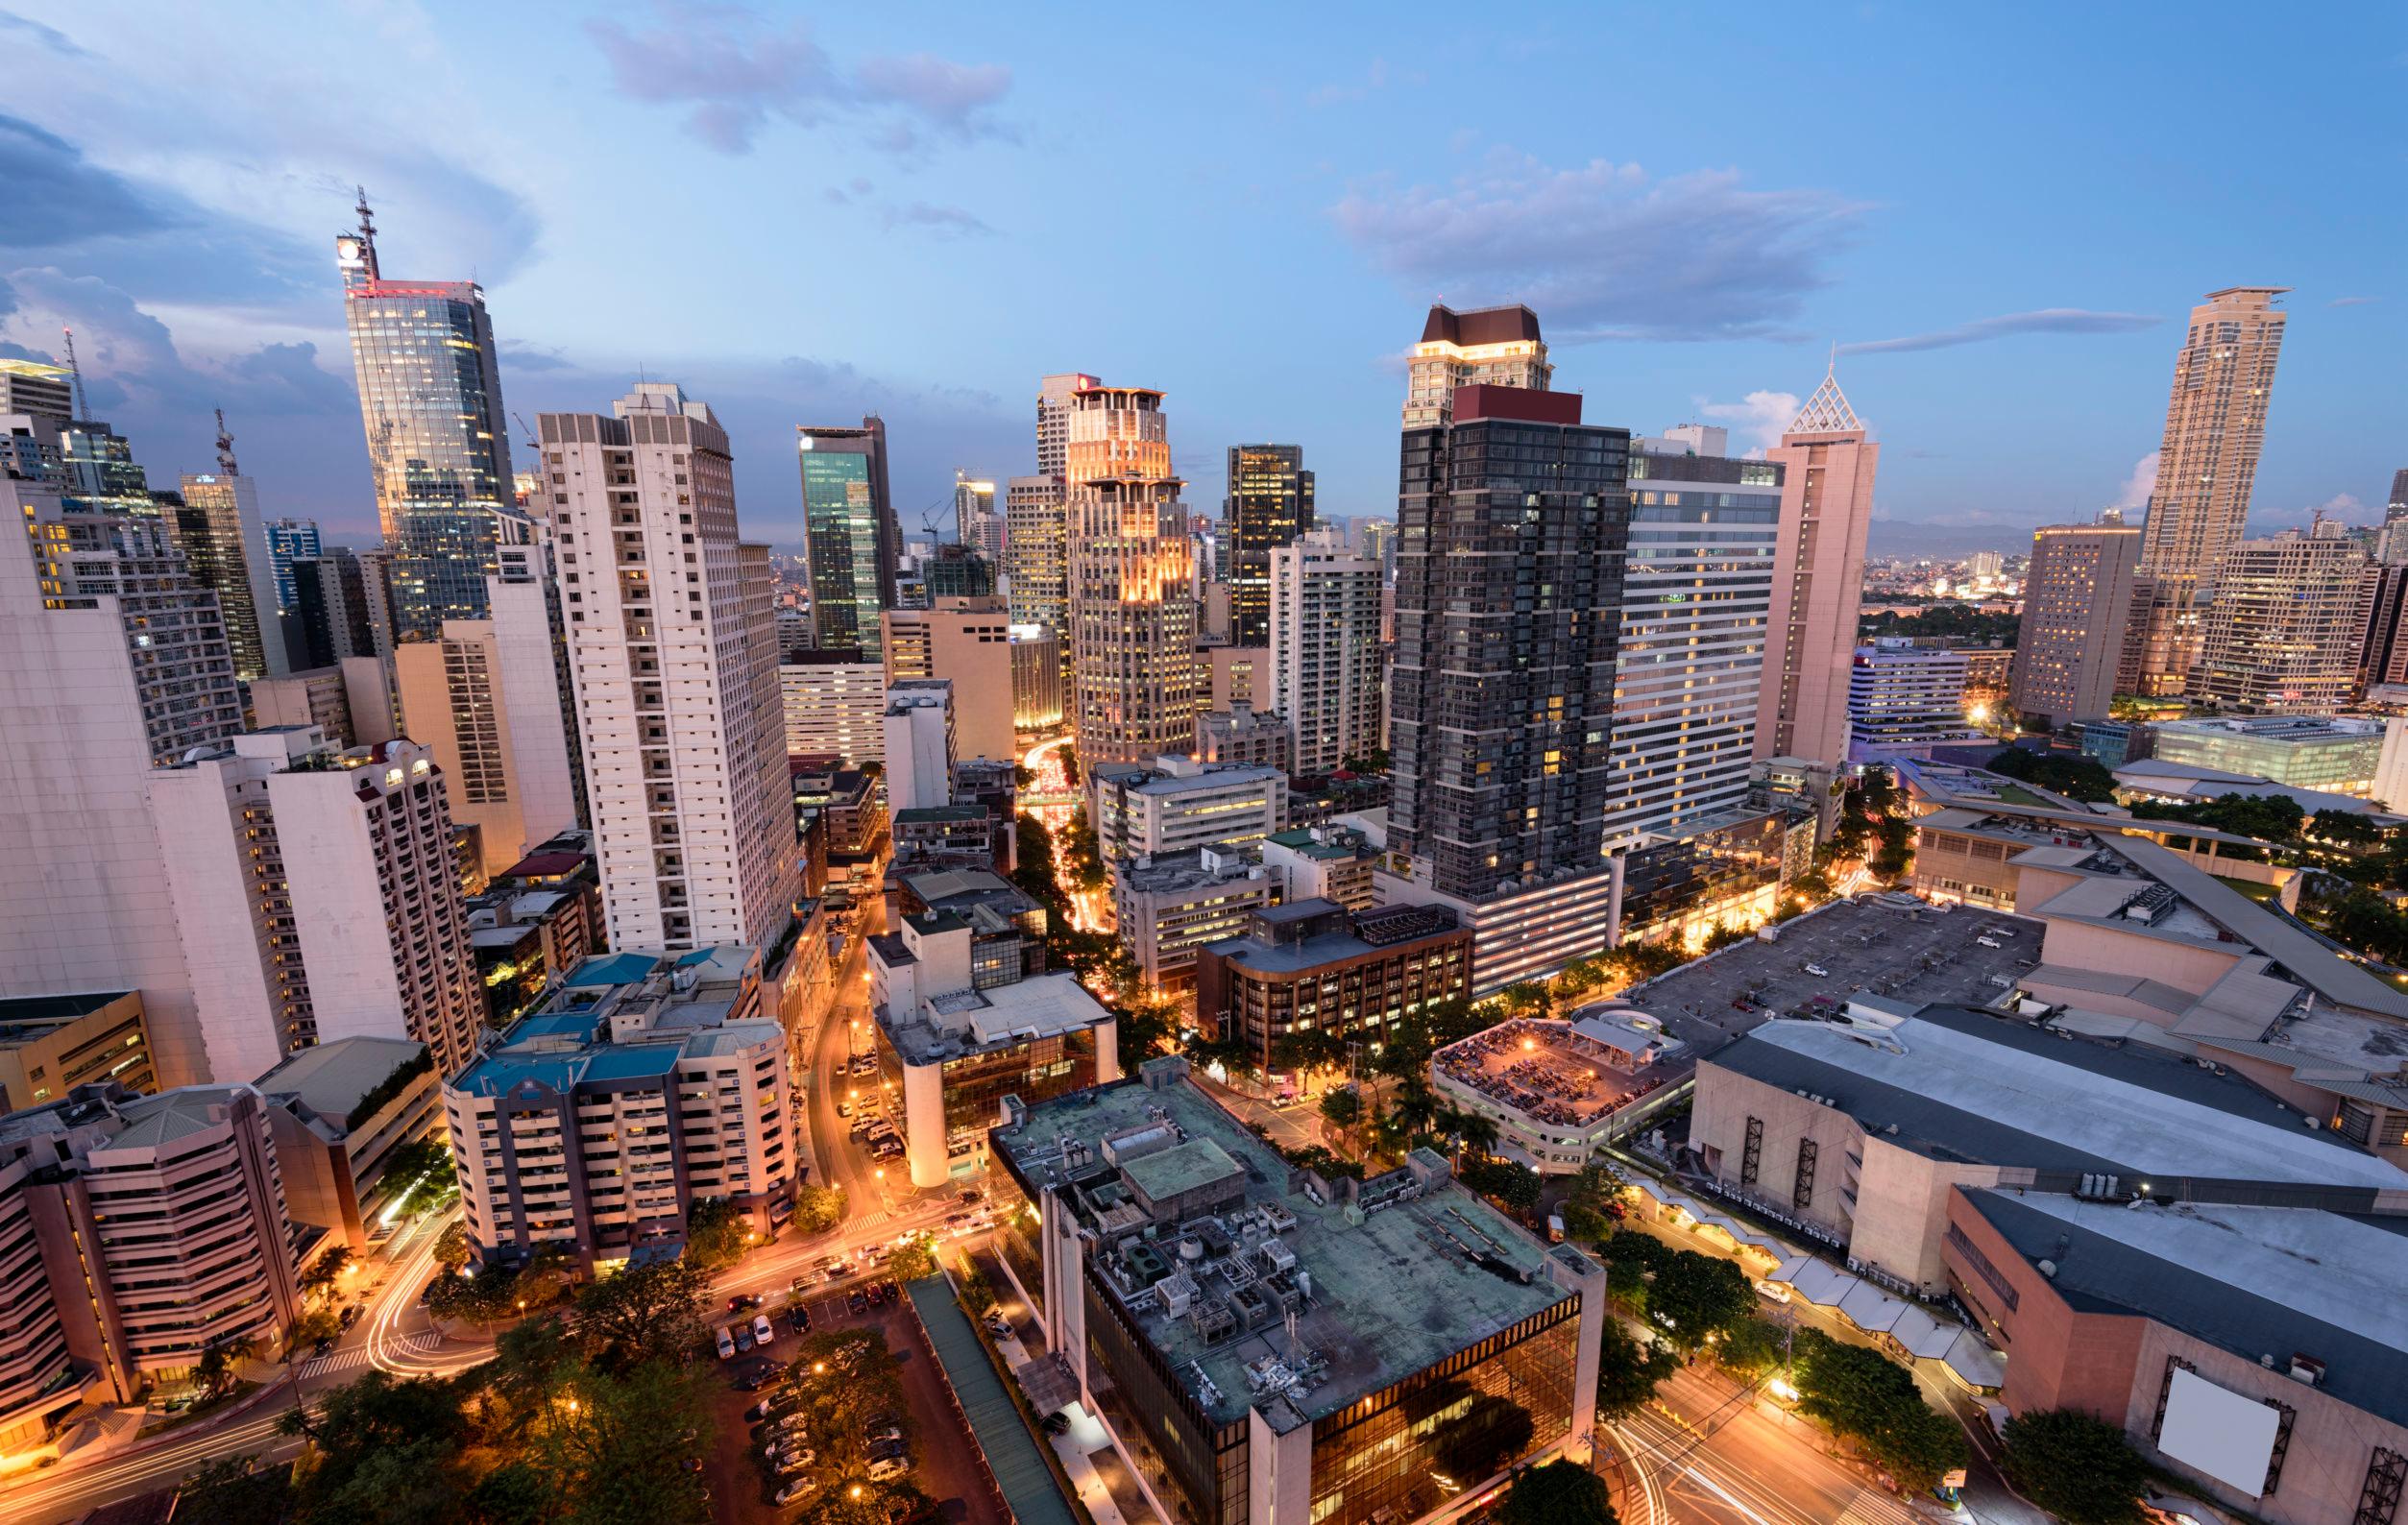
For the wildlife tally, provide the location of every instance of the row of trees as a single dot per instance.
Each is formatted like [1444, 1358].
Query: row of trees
[1096, 957]
[598, 1427]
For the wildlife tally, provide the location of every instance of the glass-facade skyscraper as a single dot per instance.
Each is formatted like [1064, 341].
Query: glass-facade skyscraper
[431, 399]
[1269, 504]
[851, 542]
[290, 540]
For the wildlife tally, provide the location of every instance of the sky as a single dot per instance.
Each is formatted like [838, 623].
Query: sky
[803, 213]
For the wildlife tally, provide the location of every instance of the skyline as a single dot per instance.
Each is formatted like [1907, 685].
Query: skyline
[1783, 211]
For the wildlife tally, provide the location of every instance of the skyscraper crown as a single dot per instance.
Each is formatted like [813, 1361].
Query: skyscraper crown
[1827, 411]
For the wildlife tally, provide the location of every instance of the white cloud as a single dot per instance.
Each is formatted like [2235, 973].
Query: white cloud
[1759, 420]
[2045, 320]
[2134, 494]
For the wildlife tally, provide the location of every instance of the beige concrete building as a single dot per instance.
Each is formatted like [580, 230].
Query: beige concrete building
[2081, 595]
[351, 701]
[1232, 676]
[1179, 803]
[337, 1111]
[650, 1082]
[834, 705]
[1240, 735]
[1037, 678]
[49, 1045]
[1168, 907]
[1132, 619]
[1325, 650]
[2224, 379]
[1486, 346]
[2284, 634]
[1827, 470]
[968, 642]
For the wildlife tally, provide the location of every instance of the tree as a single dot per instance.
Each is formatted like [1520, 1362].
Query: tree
[422, 1168]
[236, 1491]
[1526, 998]
[716, 1234]
[318, 1323]
[1860, 1395]
[978, 1292]
[1629, 1370]
[1723, 935]
[617, 1458]
[451, 1246]
[324, 1272]
[1342, 1106]
[1558, 1494]
[912, 1259]
[2079, 778]
[214, 1372]
[1473, 1131]
[818, 1209]
[481, 1297]
[1596, 1202]
[2076, 1467]
[1751, 1347]
[1514, 1187]
[1897, 849]
[653, 1312]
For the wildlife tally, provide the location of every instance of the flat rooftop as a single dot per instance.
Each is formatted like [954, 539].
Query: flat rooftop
[1571, 1072]
[1395, 1285]
[967, 1022]
[2255, 1281]
[331, 1077]
[1970, 1086]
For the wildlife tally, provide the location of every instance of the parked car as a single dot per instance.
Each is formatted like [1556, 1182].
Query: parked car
[802, 1488]
[1056, 1423]
[844, 1109]
[882, 1435]
[726, 1342]
[742, 1302]
[1818, 971]
[857, 1300]
[761, 1410]
[800, 1317]
[764, 1332]
[997, 1326]
[887, 1468]
[1988, 941]
[1773, 1291]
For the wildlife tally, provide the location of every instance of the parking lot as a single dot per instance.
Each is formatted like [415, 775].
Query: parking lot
[1863, 946]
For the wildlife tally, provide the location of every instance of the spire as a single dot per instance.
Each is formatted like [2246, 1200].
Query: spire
[82, 410]
[226, 447]
[1827, 411]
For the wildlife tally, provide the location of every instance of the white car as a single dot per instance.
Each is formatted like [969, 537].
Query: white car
[1989, 942]
[802, 1488]
[727, 1343]
[1818, 971]
[763, 1331]
[887, 1468]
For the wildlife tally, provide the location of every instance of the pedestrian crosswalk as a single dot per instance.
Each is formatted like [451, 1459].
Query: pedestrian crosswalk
[361, 1355]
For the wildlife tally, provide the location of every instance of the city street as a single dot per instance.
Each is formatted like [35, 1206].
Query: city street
[1712, 1455]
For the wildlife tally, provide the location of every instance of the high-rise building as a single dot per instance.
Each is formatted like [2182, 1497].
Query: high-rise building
[226, 550]
[351, 701]
[1323, 630]
[2382, 625]
[2281, 636]
[486, 701]
[1269, 504]
[2224, 379]
[289, 539]
[318, 896]
[673, 645]
[334, 615]
[84, 903]
[852, 545]
[978, 523]
[431, 399]
[833, 706]
[1826, 469]
[1037, 552]
[1502, 691]
[1904, 700]
[1037, 678]
[967, 642]
[1488, 346]
[2397, 508]
[1132, 615]
[1696, 598]
[920, 746]
[2082, 594]
[1052, 420]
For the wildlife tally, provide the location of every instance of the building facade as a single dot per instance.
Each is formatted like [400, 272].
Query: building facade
[2343, 755]
[967, 643]
[1239, 735]
[1036, 677]
[1269, 504]
[1904, 700]
[2224, 379]
[1487, 346]
[1324, 633]
[1168, 907]
[49, 1045]
[2082, 594]
[921, 744]
[2282, 635]
[438, 437]
[226, 550]
[1133, 613]
[1037, 552]
[1311, 965]
[833, 704]
[978, 524]
[672, 643]
[1179, 804]
[1826, 469]
[853, 547]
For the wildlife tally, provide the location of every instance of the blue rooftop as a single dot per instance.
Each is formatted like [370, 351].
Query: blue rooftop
[615, 969]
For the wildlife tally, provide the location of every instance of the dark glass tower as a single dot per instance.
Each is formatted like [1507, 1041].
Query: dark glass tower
[851, 542]
[1269, 505]
[1512, 522]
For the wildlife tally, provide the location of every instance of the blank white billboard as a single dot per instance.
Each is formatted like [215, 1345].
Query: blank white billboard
[2228, 1437]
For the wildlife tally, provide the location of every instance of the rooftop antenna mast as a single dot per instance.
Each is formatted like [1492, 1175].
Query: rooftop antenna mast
[82, 409]
[226, 447]
[367, 236]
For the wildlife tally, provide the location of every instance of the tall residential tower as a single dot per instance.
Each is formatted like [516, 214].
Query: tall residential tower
[1132, 611]
[1827, 468]
[1269, 504]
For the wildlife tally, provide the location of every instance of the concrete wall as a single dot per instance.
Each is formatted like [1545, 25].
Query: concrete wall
[1726, 1099]
[1902, 1210]
[2057, 1358]
[2187, 966]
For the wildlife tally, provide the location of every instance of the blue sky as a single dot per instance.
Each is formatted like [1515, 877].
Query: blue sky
[807, 212]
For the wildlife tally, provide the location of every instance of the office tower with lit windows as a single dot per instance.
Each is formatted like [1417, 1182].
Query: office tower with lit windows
[1133, 610]
[1514, 521]
[289, 539]
[2223, 378]
[2081, 595]
[834, 705]
[1827, 469]
[1270, 503]
[2282, 637]
[978, 523]
[852, 545]
[672, 646]
[333, 615]
[318, 897]
[1489, 346]
[227, 549]
[1323, 631]
[1053, 394]
[431, 399]
[1037, 552]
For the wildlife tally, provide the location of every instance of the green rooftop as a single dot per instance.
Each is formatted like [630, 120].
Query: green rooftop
[1183, 1168]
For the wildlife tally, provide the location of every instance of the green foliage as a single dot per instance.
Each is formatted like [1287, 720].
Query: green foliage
[481, 1297]
[912, 1259]
[1964, 622]
[327, 1269]
[1342, 1106]
[1860, 1395]
[716, 1234]
[2076, 1467]
[236, 1491]
[422, 1167]
[1086, 862]
[617, 1458]
[1897, 849]
[654, 1312]
[395, 1083]
[1751, 1347]
[214, 1373]
[2268, 818]
[451, 1246]
[2344, 829]
[1688, 1296]
[2079, 777]
[978, 1292]
[1317, 1160]
[1724, 934]
[1512, 1186]
[1596, 1202]
[1525, 999]
[1558, 1493]
[318, 1323]
[818, 1209]
[1629, 1370]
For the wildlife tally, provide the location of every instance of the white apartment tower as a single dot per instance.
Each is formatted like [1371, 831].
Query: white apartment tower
[1325, 650]
[317, 897]
[919, 744]
[673, 645]
[486, 698]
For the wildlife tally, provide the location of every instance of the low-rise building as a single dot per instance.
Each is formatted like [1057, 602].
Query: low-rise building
[1241, 733]
[649, 1083]
[1006, 925]
[537, 919]
[1904, 700]
[1723, 871]
[1856, 1129]
[337, 1112]
[49, 1045]
[2304, 751]
[1323, 862]
[1558, 1089]
[1525, 933]
[835, 705]
[1311, 964]
[1168, 907]
[1294, 1349]
[967, 1029]
[943, 837]
[1178, 803]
